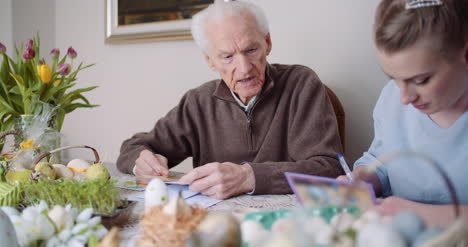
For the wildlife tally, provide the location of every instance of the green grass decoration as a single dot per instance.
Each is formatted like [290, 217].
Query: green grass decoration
[100, 194]
[10, 195]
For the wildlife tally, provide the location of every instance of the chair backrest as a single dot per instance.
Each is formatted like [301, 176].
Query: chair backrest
[339, 112]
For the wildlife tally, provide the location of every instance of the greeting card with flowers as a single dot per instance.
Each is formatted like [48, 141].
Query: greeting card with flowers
[30, 81]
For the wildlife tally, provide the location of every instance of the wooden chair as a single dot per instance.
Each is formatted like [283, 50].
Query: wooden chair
[340, 114]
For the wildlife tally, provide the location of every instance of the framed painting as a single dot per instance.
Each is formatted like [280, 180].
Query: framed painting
[147, 20]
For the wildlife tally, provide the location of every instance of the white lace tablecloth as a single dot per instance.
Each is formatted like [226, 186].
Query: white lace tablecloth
[238, 205]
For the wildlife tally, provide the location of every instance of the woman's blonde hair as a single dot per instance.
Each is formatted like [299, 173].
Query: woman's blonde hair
[397, 28]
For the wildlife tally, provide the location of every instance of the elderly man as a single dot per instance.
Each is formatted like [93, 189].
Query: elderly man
[247, 128]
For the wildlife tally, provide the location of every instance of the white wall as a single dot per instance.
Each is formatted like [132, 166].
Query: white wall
[140, 82]
[31, 17]
[6, 26]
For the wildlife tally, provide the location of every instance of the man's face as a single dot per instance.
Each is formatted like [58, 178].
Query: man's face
[238, 51]
[428, 79]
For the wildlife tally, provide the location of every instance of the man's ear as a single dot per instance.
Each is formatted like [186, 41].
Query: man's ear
[210, 62]
[268, 41]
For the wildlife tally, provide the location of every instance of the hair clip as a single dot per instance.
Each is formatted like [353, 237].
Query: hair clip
[414, 4]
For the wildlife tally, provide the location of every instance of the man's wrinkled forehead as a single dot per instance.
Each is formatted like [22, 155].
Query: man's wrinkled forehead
[238, 30]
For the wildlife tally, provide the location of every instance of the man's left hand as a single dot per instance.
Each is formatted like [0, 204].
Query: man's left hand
[220, 180]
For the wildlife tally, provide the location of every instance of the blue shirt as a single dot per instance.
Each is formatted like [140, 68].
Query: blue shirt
[403, 128]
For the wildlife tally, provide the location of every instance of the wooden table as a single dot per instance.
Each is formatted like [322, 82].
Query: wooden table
[238, 205]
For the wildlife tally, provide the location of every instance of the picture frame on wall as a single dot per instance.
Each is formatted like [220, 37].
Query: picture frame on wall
[150, 20]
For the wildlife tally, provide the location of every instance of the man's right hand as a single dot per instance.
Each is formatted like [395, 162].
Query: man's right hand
[148, 165]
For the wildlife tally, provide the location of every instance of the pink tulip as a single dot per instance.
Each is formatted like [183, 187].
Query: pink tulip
[41, 61]
[28, 53]
[64, 68]
[71, 52]
[55, 53]
[2, 48]
[29, 44]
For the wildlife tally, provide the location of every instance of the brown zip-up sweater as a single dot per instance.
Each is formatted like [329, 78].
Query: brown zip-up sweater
[291, 128]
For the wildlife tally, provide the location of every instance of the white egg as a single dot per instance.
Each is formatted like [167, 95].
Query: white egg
[79, 164]
[379, 235]
[342, 221]
[280, 240]
[63, 171]
[314, 225]
[409, 224]
[371, 216]
[253, 232]
[155, 193]
[324, 235]
[283, 225]
[79, 167]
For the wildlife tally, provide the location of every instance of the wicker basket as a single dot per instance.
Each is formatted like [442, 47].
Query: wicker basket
[42, 156]
[160, 229]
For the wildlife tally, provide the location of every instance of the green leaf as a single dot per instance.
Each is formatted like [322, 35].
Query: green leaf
[54, 90]
[6, 106]
[69, 96]
[71, 107]
[79, 96]
[60, 117]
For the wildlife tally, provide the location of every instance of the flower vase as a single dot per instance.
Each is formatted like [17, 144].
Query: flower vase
[49, 138]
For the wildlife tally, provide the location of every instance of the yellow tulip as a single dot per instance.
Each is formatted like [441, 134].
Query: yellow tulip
[44, 73]
[56, 83]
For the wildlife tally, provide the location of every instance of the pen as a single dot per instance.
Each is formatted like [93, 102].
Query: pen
[345, 167]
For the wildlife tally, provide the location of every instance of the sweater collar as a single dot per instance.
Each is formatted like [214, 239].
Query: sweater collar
[223, 92]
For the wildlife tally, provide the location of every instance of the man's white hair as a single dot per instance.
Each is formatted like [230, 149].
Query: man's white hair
[220, 10]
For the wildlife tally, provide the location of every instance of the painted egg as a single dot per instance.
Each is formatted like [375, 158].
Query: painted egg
[62, 171]
[342, 221]
[155, 193]
[324, 235]
[379, 235]
[409, 224]
[79, 168]
[314, 225]
[280, 240]
[253, 232]
[283, 225]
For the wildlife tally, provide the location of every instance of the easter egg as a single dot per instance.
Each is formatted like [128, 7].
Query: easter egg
[284, 225]
[379, 235]
[79, 168]
[45, 169]
[155, 193]
[63, 171]
[409, 224]
[342, 221]
[97, 171]
[253, 232]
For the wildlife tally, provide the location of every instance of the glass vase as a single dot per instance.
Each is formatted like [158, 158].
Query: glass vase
[49, 137]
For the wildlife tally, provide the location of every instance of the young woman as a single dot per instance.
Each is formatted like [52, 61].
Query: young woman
[423, 47]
